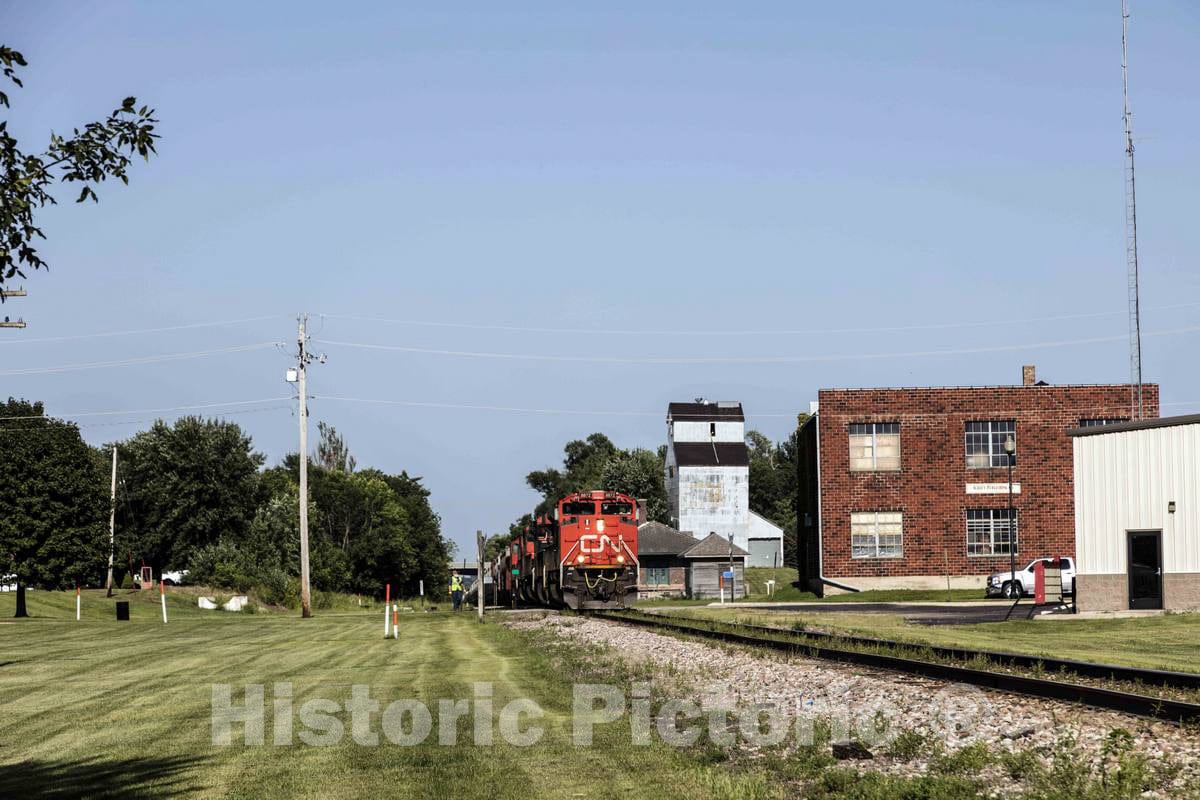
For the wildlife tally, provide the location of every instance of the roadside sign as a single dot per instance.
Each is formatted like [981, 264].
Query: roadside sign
[487, 578]
[516, 571]
[727, 574]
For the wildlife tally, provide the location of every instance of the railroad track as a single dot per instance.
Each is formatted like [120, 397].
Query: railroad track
[872, 653]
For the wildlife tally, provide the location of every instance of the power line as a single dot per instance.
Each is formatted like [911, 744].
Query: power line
[33, 427]
[432, 405]
[476, 407]
[195, 407]
[658, 414]
[752, 332]
[126, 362]
[78, 336]
[576, 359]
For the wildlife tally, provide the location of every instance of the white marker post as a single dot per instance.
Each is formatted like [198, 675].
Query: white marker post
[162, 593]
[77, 604]
[387, 610]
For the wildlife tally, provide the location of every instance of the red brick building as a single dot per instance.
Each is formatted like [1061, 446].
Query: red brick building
[901, 488]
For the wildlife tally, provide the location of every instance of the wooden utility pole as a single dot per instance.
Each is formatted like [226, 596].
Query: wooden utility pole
[112, 524]
[480, 539]
[301, 364]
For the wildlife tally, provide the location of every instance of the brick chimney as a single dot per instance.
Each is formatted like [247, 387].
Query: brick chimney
[1029, 375]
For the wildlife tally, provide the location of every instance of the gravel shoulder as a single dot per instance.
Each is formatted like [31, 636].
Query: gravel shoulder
[943, 719]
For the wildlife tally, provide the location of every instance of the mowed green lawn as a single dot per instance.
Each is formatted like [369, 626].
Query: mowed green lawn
[101, 708]
[1170, 642]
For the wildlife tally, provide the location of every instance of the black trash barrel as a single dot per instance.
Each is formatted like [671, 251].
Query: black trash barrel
[123, 610]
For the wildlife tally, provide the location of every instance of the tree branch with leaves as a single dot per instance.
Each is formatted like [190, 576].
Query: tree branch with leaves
[88, 157]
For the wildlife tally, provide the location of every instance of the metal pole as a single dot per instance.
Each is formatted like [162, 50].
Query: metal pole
[1012, 542]
[1131, 246]
[305, 592]
[112, 525]
[479, 542]
[732, 574]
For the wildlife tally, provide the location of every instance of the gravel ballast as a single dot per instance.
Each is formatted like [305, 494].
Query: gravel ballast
[852, 696]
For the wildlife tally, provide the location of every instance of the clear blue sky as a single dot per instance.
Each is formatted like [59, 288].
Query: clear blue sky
[623, 166]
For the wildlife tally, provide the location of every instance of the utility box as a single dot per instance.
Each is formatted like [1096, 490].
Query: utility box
[122, 610]
[1047, 581]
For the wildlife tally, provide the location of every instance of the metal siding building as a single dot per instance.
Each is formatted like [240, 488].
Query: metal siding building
[707, 475]
[1137, 515]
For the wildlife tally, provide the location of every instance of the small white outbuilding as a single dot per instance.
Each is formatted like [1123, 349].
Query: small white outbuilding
[1137, 515]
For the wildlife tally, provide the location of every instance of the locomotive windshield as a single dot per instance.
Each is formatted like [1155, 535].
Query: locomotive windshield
[616, 507]
[578, 508]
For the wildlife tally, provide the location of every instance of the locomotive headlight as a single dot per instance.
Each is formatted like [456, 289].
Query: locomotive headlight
[600, 526]
[620, 559]
[579, 559]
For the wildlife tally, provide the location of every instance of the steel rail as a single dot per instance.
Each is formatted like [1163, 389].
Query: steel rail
[1111, 699]
[1087, 669]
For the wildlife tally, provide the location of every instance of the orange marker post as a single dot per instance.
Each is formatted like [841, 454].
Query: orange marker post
[396, 621]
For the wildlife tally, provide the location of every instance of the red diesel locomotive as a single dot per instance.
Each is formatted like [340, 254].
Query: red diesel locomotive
[583, 557]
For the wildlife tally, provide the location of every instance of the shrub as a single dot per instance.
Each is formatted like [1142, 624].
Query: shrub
[222, 565]
[275, 587]
[969, 760]
[908, 744]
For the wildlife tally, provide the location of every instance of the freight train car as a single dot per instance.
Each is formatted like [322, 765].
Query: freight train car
[583, 556]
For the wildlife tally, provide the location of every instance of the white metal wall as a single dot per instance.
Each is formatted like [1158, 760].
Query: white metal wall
[1124, 481]
[671, 481]
[699, 431]
[715, 499]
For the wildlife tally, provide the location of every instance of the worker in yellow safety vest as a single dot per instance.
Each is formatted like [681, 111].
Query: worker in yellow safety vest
[456, 591]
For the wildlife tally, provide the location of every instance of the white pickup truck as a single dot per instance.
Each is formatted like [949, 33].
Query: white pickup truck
[1000, 584]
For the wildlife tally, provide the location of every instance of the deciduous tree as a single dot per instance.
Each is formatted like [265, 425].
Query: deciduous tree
[184, 486]
[639, 474]
[53, 531]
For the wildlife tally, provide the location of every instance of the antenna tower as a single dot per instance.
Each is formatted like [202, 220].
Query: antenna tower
[1131, 249]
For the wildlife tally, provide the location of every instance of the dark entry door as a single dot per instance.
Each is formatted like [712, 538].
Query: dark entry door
[1145, 569]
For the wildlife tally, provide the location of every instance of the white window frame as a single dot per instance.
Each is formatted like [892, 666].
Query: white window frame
[992, 522]
[996, 431]
[665, 571]
[870, 531]
[874, 430]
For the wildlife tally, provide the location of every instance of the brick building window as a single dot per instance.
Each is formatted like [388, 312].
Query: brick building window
[985, 443]
[988, 531]
[874, 446]
[656, 576]
[876, 534]
[1098, 421]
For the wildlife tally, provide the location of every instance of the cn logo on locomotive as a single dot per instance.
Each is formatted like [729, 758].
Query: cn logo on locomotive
[596, 542]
